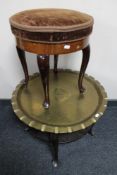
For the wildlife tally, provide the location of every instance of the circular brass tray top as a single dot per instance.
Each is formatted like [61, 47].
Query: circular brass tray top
[69, 111]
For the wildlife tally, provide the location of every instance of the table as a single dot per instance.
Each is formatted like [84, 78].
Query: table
[67, 107]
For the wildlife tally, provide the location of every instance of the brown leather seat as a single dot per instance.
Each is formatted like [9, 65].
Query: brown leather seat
[51, 25]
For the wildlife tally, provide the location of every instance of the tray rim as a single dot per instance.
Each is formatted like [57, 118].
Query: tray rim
[59, 129]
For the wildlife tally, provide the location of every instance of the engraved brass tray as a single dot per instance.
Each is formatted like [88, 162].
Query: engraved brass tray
[69, 110]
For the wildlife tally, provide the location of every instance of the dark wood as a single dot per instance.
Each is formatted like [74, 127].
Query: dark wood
[55, 63]
[21, 54]
[85, 60]
[91, 132]
[43, 64]
[54, 141]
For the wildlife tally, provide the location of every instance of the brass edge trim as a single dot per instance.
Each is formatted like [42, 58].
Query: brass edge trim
[13, 103]
[83, 126]
[31, 123]
[69, 129]
[57, 130]
[97, 115]
[94, 120]
[16, 110]
[43, 127]
[22, 118]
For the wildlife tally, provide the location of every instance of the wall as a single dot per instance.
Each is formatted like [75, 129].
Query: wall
[103, 61]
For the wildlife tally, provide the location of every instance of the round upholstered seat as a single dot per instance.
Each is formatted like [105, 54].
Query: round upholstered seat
[51, 25]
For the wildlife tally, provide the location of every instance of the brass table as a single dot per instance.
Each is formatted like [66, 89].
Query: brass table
[61, 104]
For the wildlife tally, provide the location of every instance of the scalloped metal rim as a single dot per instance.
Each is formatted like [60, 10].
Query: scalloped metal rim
[47, 128]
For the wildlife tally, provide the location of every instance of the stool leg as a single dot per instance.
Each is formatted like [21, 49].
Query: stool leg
[54, 141]
[85, 60]
[43, 64]
[55, 63]
[21, 54]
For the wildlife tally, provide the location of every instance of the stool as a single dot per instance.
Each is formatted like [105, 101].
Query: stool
[51, 32]
[48, 32]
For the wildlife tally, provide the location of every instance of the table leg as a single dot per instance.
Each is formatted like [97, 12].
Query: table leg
[85, 60]
[21, 54]
[91, 132]
[43, 64]
[55, 63]
[54, 141]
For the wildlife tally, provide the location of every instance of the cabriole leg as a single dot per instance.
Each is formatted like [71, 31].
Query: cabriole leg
[21, 54]
[54, 141]
[55, 63]
[43, 64]
[85, 60]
